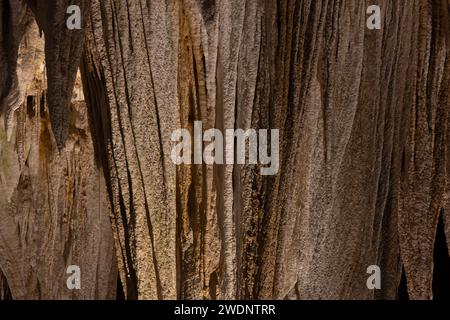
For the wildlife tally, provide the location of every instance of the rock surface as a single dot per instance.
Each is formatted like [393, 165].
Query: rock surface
[364, 148]
[54, 203]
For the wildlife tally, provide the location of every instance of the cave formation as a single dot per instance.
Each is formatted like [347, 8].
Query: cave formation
[86, 176]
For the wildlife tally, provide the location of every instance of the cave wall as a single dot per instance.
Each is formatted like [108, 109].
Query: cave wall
[54, 203]
[363, 119]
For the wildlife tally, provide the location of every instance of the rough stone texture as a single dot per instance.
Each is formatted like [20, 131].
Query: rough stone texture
[54, 206]
[63, 49]
[364, 143]
[355, 107]
[134, 95]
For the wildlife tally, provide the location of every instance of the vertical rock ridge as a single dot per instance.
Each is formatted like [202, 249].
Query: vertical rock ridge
[364, 145]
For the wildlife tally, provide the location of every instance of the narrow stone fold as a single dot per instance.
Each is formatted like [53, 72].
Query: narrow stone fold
[63, 50]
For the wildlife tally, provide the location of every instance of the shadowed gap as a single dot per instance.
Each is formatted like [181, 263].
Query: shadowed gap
[441, 272]
[120, 294]
[403, 288]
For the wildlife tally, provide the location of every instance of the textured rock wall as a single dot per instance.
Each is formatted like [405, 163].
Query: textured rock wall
[364, 145]
[363, 118]
[54, 203]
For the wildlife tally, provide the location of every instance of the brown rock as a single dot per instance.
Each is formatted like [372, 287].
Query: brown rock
[363, 119]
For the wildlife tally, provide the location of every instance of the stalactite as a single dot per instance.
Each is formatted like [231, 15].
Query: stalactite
[363, 156]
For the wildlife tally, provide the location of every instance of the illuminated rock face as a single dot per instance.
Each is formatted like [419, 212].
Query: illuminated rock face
[363, 160]
[54, 203]
[63, 49]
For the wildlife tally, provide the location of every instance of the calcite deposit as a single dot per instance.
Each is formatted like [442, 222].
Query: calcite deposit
[87, 179]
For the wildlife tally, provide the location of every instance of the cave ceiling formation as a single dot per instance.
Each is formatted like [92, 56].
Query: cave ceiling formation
[87, 115]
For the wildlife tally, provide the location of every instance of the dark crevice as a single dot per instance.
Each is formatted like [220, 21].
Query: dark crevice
[441, 272]
[403, 288]
[5, 292]
[120, 293]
